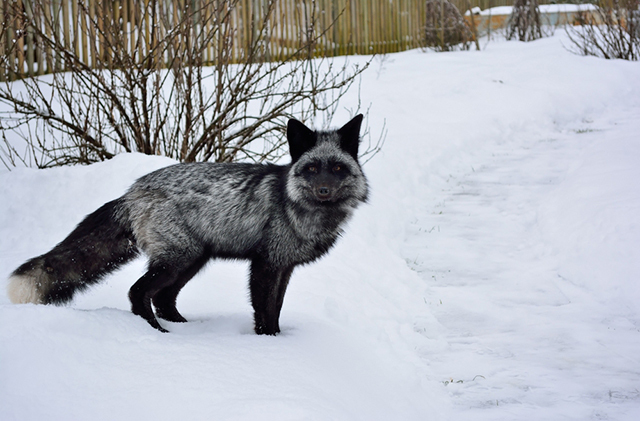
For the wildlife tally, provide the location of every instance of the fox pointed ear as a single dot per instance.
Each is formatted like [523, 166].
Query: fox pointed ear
[300, 137]
[350, 136]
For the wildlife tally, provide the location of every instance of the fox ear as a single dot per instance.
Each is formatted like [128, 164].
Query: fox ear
[350, 136]
[300, 137]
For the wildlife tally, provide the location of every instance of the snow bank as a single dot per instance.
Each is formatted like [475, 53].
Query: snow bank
[544, 8]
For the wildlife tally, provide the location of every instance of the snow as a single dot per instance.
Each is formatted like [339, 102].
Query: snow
[544, 8]
[492, 276]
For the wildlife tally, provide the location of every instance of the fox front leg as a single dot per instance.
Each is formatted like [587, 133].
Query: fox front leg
[268, 286]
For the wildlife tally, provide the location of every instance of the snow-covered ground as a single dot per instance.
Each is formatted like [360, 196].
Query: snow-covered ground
[544, 8]
[495, 273]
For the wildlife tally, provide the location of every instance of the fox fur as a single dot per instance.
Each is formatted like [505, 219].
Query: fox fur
[182, 216]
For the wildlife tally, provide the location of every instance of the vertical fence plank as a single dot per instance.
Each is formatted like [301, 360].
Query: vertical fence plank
[124, 25]
[57, 33]
[147, 28]
[407, 26]
[353, 24]
[89, 38]
[383, 25]
[83, 35]
[419, 23]
[7, 24]
[246, 29]
[133, 22]
[387, 25]
[277, 29]
[378, 27]
[345, 29]
[205, 30]
[65, 26]
[29, 35]
[214, 29]
[287, 13]
[2, 41]
[341, 25]
[19, 41]
[8, 54]
[172, 17]
[332, 27]
[284, 23]
[47, 23]
[116, 31]
[369, 27]
[103, 27]
[364, 30]
[37, 22]
[397, 10]
[74, 28]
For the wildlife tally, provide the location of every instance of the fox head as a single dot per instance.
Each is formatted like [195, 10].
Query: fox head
[324, 165]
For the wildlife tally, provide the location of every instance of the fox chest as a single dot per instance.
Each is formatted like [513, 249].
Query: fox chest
[289, 246]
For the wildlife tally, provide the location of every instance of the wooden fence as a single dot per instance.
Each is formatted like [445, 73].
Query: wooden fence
[93, 29]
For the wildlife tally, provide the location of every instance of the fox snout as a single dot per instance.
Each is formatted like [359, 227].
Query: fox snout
[325, 187]
[323, 193]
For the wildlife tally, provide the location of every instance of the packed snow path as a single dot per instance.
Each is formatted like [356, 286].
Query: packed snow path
[517, 337]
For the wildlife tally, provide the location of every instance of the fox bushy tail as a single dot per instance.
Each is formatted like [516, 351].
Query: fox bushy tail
[101, 243]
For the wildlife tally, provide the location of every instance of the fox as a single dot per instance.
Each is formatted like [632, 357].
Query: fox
[182, 216]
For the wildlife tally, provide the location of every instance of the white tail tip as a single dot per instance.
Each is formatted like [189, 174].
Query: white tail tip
[23, 289]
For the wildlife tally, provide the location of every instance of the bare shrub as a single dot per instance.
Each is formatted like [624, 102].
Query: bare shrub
[148, 89]
[611, 31]
[524, 22]
[446, 29]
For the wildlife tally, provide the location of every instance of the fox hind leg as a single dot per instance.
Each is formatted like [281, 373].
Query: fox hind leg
[165, 299]
[165, 303]
[141, 293]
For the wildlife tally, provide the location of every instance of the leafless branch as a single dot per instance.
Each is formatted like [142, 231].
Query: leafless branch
[524, 22]
[611, 31]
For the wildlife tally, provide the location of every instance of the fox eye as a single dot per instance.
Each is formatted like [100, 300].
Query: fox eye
[337, 168]
[312, 168]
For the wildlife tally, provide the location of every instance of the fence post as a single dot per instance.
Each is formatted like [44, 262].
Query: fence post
[3, 40]
[10, 32]
[29, 35]
[83, 33]
[65, 26]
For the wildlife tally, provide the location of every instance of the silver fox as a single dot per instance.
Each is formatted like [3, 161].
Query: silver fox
[181, 216]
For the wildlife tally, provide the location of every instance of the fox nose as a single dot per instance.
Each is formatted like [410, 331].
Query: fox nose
[323, 191]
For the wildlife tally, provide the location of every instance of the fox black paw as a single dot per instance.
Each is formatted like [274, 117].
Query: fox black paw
[170, 315]
[263, 330]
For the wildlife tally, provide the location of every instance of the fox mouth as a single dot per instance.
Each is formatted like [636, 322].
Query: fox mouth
[333, 198]
[325, 195]
[325, 199]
